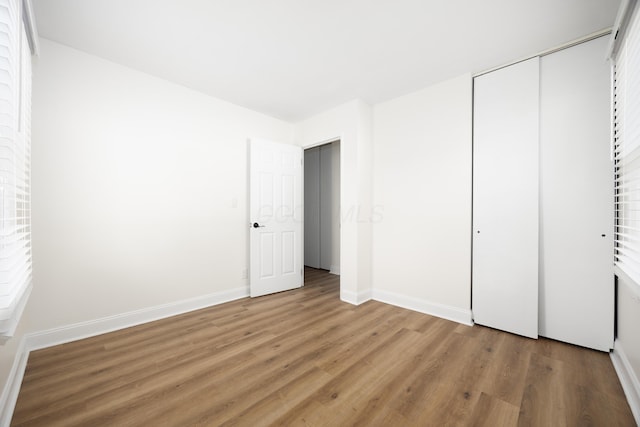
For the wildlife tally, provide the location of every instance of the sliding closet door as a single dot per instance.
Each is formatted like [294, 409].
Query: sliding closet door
[312, 207]
[505, 199]
[319, 224]
[326, 208]
[576, 197]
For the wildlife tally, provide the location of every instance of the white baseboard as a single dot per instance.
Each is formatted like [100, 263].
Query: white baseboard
[61, 335]
[9, 395]
[628, 379]
[104, 325]
[335, 269]
[423, 306]
[355, 298]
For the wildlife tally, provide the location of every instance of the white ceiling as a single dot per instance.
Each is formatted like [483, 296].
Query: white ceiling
[293, 58]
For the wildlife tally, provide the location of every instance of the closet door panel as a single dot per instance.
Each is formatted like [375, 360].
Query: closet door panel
[576, 197]
[326, 206]
[312, 207]
[505, 199]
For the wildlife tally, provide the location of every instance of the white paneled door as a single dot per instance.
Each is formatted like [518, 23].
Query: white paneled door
[275, 215]
[505, 199]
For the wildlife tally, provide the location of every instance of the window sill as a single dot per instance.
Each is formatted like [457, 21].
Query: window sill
[10, 317]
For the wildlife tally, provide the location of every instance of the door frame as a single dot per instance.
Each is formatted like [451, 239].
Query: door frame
[318, 144]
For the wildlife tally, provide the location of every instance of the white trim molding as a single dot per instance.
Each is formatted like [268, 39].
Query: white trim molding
[628, 379]
[10, 321]
[9, 395]
[91, 328]
[354, 298]
[447, 312]
[567, 45]
[619, 27]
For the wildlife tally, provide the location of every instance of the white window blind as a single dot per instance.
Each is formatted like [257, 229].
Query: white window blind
[15, 159]
[626, 118]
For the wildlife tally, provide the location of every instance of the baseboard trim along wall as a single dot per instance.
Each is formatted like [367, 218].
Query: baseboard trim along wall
[104, 325]
[354, 298]
[78, 331]
[11, 389]
[454, 314]
[628, 379]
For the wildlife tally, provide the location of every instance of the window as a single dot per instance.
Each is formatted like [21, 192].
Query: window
[626, 149]
[15, 160]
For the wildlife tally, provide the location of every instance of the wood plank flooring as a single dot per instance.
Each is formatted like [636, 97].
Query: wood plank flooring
[305, 358]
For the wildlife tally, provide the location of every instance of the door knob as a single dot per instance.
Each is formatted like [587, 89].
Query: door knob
[256, 225]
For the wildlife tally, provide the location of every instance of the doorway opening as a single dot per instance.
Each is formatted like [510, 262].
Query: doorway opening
[322, 209]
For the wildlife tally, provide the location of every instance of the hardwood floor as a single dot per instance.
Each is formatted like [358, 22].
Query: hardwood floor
[305, 358]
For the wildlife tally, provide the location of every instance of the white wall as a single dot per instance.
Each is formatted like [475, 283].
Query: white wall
[422, 191]
[139, 198]
[139, 189]
[351, 123]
